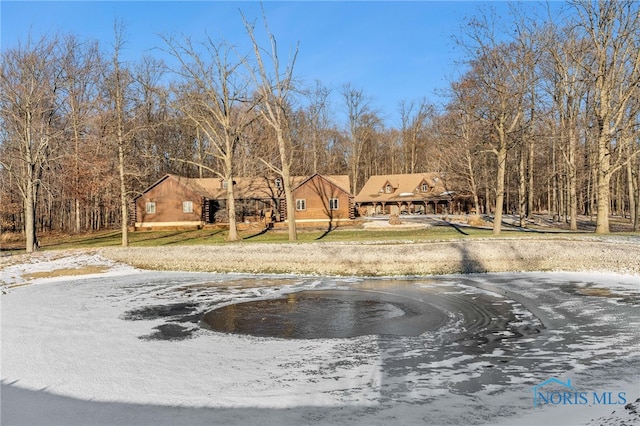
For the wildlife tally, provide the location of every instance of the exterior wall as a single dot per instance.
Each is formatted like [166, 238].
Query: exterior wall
[317, 192]
[168, 196]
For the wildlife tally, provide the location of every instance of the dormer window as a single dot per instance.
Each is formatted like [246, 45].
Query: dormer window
[225, 185]
[278, 183]
[388, 188]
[424, 187]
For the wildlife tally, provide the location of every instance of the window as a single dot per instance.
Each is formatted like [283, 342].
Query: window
[333, 204]
[150, 207]
[187, 207]
[425, 187]
[225, 185]
[278, 183]
[388, 189]
[301, 204]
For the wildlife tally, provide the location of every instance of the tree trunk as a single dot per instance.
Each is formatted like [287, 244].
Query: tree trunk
[502, 166]
[77, 215]
[119, 124]
[315, 150]
[487, 192]
[30, 218]
[200, 153]
[231, 200]
[123, 196]
[636, 220]
[530, 190]
[555, 185]
[522, 189]
[572, 178]
[288, 190]
[355, 174]
[631, 192]
[604, 180]
[472, 183]
[29, 191]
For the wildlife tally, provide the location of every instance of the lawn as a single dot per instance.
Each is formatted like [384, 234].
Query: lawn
[440, 231]
[112, 238]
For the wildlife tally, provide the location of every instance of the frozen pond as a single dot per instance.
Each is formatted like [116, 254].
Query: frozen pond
[282, 349]
[386, 308]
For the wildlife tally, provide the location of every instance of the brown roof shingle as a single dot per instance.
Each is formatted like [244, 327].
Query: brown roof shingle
[260, 188]
[404, 187]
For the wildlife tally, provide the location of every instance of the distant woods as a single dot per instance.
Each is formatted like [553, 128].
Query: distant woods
[545, 117]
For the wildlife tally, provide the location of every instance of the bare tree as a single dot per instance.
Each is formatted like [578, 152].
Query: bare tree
[126, 125]
[216, 101]
[415, 118]
[461, 137]
[633, 165]
[361, 123]
[319, 122]
[274, 89]
[81, 73]
[528, 57]
[120, 136]
[153, 120]
[565, 51]
[500, 108]
[29, 81]
[506, 74]
[612, 28]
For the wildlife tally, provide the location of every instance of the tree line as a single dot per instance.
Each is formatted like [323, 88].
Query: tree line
[545, 118]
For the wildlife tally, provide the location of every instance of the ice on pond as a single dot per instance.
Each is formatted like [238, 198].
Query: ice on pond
[458, 349]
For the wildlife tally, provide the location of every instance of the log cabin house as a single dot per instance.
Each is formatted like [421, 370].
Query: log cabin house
[417, 193]
[179, 202]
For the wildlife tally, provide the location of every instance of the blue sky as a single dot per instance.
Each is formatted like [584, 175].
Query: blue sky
[393, 51]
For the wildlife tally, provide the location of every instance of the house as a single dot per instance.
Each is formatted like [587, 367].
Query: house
[179, 202]
[172, 201]
[323, 199]
[408, 194]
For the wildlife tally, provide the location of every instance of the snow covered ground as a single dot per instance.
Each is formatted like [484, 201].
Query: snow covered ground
[125, 347]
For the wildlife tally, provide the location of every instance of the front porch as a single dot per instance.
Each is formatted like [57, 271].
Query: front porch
[441, 206]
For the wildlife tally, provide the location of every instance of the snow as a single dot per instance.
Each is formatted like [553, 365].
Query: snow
[70, 356]
[50, 261]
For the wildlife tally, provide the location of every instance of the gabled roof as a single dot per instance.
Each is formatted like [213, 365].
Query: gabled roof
[339, 181]
[406, 187]
[206, 187]
[244, 187]
[150, 187]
